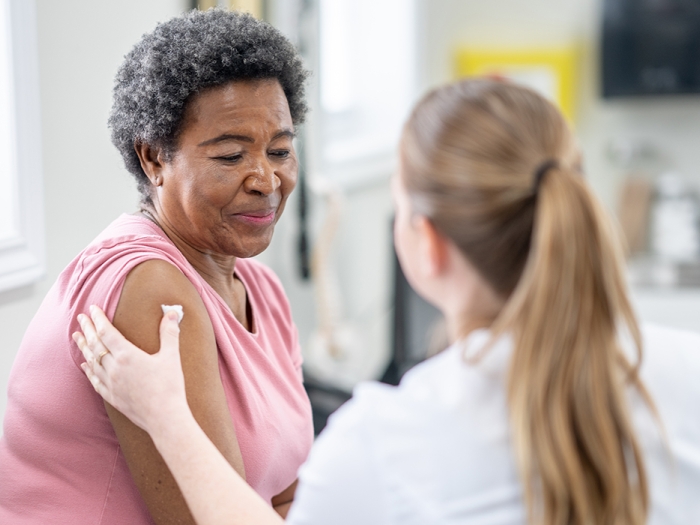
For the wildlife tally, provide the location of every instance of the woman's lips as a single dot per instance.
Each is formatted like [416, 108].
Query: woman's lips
[257, 218]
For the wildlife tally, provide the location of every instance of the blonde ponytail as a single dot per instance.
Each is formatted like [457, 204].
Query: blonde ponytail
[573, 437]
[496, 169]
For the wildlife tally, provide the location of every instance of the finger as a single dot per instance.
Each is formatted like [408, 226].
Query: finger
[110, 337]
[170, 333]
[88, 373]
[173, 308]
[90, 360]
[94, 342]
[94, 380]
[98, 385]
[94, 345]
[79, 339]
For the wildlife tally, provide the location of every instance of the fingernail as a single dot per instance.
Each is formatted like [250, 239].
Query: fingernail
[176, 308]
[92, 308]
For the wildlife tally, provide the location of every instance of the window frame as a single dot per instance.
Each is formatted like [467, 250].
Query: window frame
[22, 257]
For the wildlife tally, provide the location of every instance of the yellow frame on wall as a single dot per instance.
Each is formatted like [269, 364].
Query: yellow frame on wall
[559, 62]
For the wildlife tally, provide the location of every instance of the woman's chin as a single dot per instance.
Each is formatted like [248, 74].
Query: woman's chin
[250, 250]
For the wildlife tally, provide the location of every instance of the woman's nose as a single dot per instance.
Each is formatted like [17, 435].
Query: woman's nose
[262, 180]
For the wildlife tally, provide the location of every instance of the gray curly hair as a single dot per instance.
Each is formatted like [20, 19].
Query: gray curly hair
[183, 56]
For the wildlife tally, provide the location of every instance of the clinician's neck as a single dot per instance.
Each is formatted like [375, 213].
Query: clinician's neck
[459, 326]
[467, 301]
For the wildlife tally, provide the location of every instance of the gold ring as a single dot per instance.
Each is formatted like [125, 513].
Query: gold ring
[99, 357]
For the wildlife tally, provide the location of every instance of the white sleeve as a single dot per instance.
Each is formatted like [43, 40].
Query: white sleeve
[341, 482]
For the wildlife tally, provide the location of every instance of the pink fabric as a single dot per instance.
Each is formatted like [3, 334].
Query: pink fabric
[60, 461]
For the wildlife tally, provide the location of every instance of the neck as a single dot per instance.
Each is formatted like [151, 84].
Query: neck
[460, 326]
[467, 301]
[216, 269]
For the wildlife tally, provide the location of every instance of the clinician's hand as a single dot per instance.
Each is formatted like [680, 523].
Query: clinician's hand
[148, 389]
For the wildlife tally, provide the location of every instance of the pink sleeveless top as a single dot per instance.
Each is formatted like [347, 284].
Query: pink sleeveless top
[60, 460]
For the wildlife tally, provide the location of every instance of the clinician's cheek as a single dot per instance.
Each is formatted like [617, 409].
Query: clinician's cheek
[404, 245]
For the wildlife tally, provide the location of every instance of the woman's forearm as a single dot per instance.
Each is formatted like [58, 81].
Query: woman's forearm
[214, 492]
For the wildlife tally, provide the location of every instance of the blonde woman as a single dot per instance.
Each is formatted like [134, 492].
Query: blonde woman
[542, 410]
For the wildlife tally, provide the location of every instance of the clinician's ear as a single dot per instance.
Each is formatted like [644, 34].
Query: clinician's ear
[152, 161]
[433, 247]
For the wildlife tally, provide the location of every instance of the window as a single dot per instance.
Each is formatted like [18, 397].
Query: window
[366, 85]
[21, 204]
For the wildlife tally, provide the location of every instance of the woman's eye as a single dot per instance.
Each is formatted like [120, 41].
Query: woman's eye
[231, 158]
[280, 154]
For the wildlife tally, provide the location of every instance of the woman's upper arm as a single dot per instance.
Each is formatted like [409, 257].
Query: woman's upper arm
[138, 314]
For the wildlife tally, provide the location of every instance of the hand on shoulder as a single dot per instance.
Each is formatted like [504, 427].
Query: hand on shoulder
[148, 389]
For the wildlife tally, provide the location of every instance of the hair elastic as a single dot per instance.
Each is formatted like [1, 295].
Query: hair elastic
[541, 171]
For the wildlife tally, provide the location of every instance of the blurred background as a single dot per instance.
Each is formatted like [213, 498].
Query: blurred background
[626, 73]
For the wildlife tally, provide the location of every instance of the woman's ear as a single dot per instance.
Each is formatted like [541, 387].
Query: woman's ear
[151, 159]
[433, 247]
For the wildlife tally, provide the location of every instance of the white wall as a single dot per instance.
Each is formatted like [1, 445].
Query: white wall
[85, 186]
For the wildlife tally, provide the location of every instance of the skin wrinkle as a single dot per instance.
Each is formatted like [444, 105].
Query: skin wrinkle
[243, 138]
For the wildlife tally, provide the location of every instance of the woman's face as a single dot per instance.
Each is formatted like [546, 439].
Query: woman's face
[227, 183]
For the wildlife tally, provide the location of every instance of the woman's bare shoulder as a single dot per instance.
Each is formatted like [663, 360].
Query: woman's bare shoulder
[148, 286]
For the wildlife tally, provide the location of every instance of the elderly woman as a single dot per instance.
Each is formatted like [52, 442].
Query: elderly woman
[204, 115]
